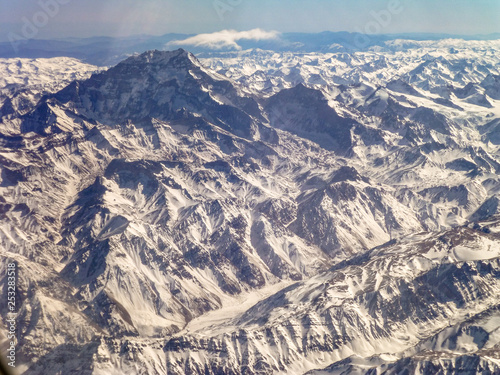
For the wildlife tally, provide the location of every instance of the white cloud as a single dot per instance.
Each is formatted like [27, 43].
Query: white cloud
[225, 38]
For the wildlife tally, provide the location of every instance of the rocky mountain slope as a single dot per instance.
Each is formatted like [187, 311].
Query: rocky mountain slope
[186, 216]
[23, 82]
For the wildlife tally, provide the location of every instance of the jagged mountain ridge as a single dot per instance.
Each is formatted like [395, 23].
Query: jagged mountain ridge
[366, 306]
[193, 208]
[23, 82]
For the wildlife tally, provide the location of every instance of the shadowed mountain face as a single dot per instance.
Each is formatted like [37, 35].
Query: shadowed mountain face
[162, 85]
[181, 215]
[306, 113]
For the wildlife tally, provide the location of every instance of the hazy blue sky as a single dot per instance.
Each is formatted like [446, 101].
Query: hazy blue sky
[126, 17]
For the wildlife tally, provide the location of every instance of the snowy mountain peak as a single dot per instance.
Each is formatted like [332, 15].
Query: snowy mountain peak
[169, 86]
[154, 56]
[179, 59]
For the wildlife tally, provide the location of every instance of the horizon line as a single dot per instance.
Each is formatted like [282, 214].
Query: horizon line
[410, 33]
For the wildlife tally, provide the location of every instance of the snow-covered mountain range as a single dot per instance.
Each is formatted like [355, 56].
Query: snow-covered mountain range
[24, 81]
[255, 212]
